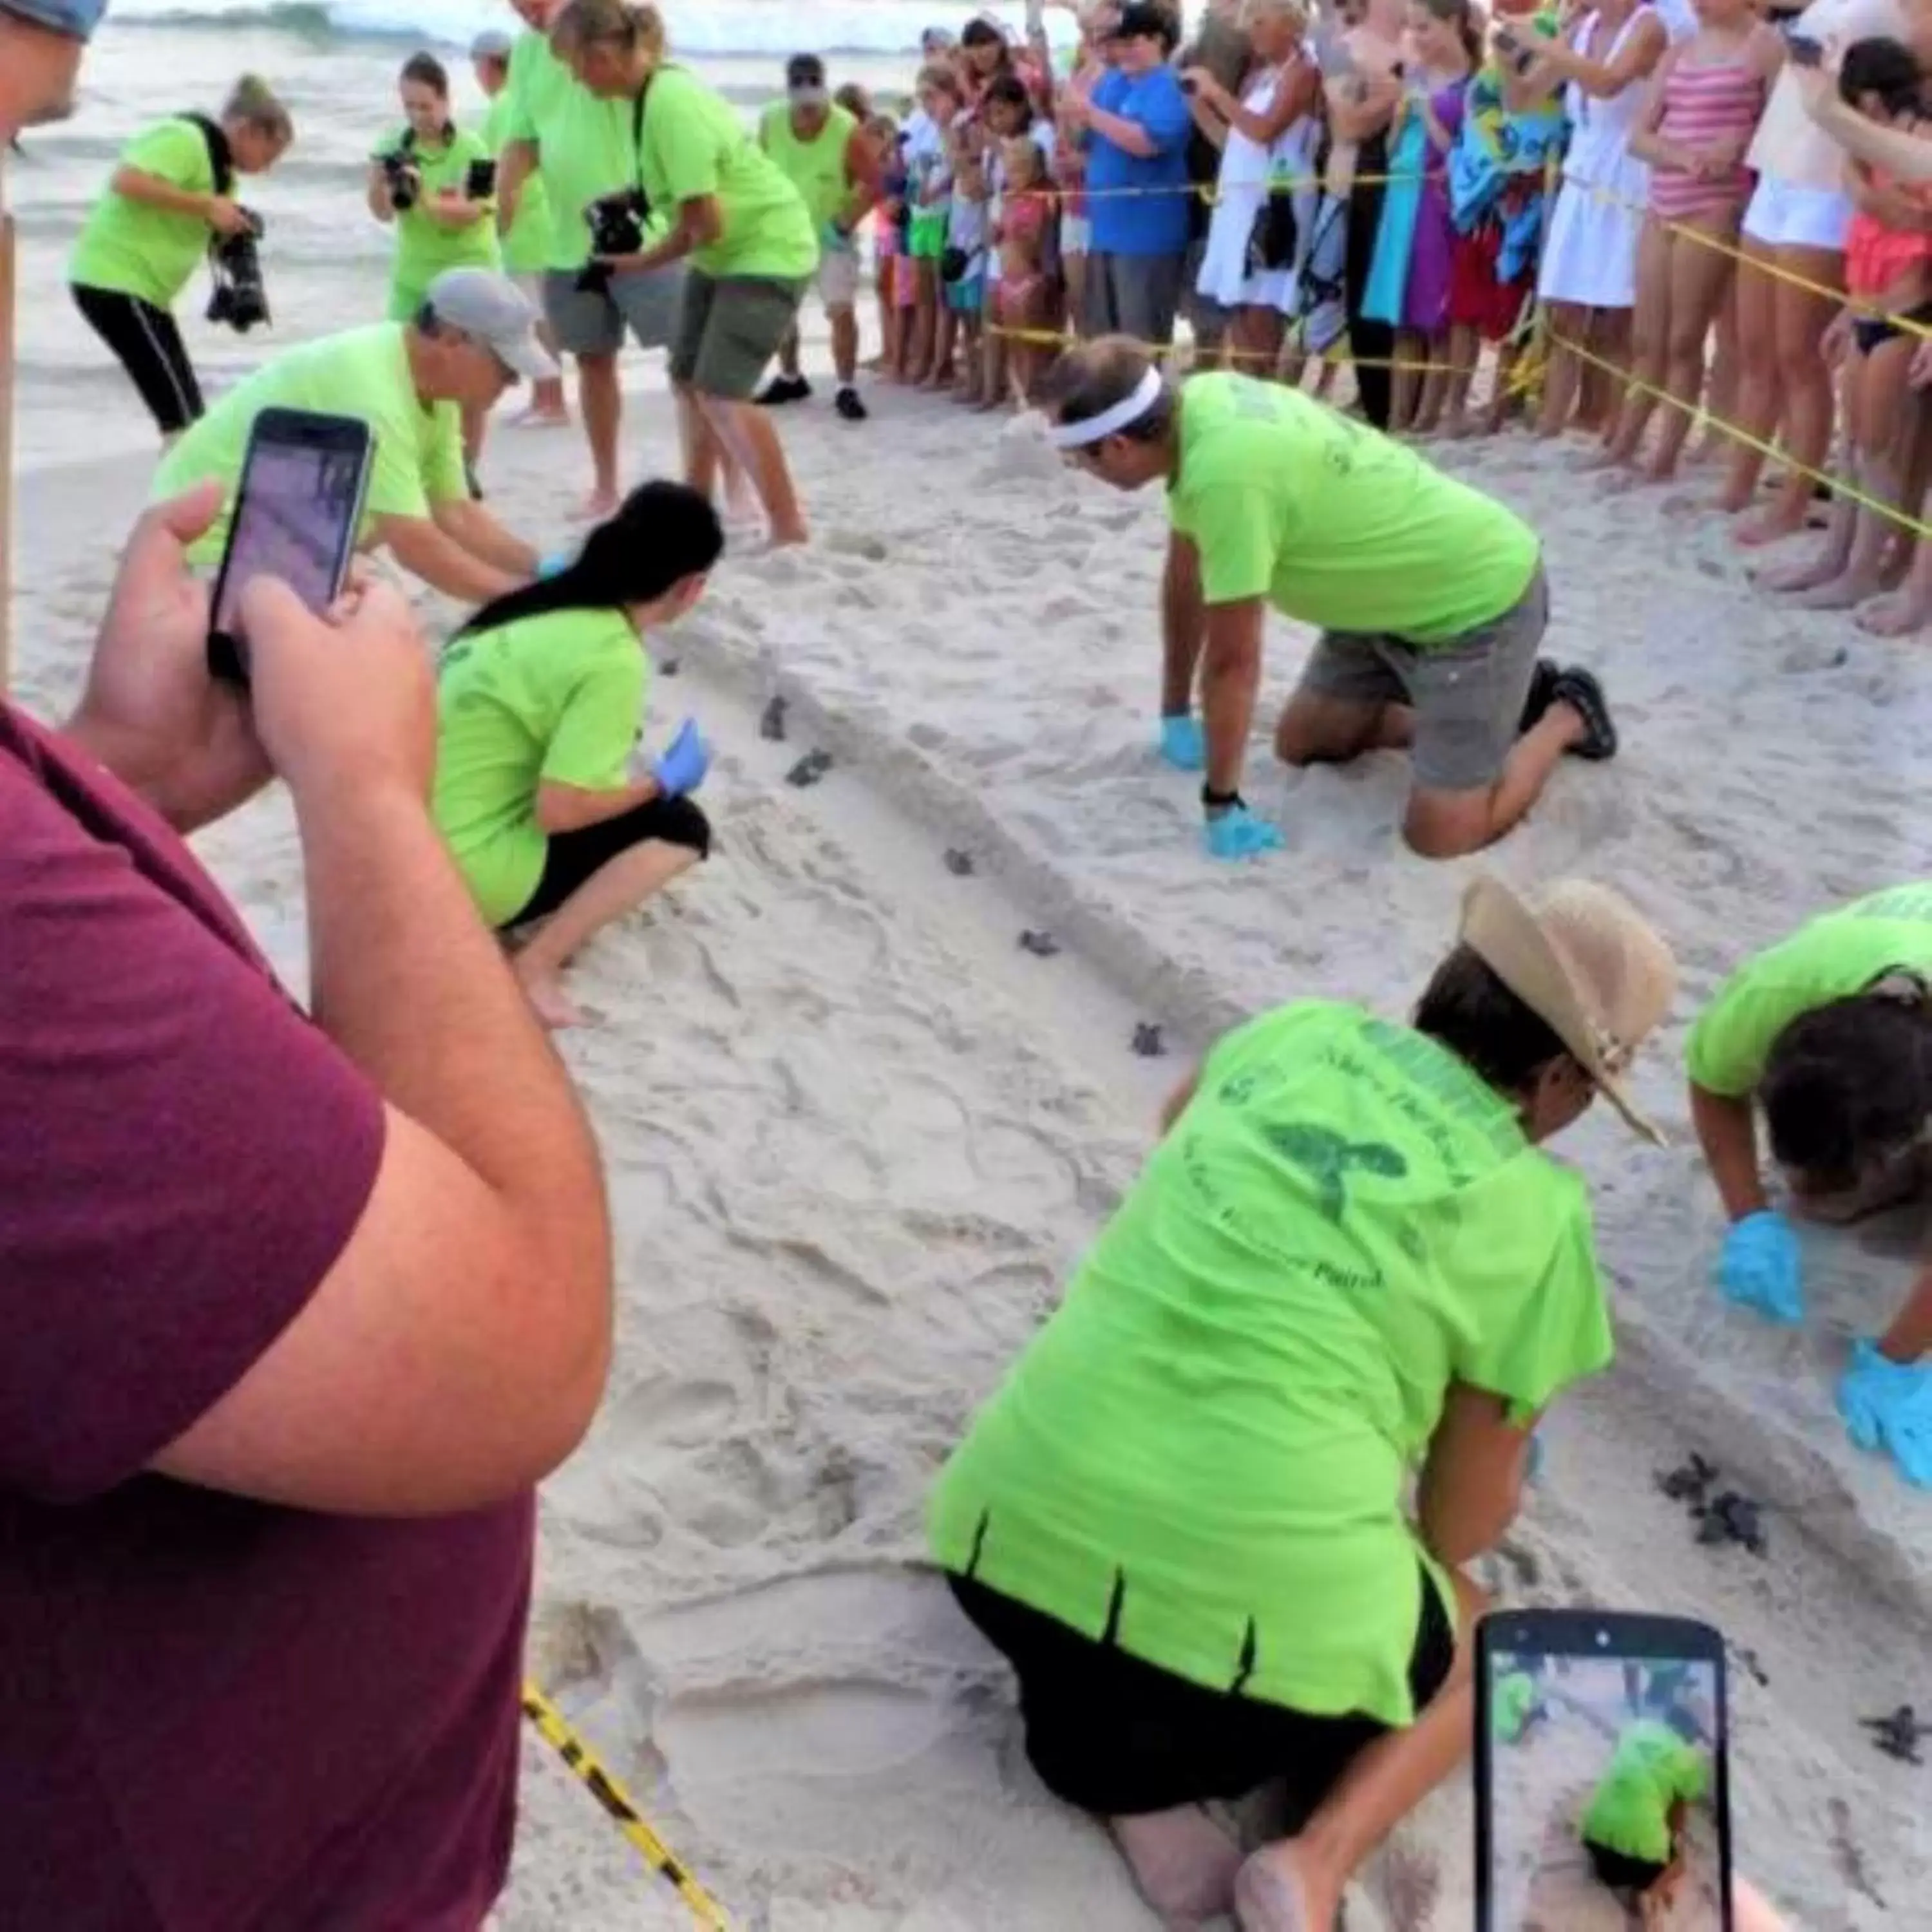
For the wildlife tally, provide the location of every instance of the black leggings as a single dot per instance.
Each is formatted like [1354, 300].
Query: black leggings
[1374, 341]
[150, 349]
[574, 858]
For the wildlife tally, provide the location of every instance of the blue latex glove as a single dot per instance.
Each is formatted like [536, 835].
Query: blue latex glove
[1888, 1406]
[1236, 833]
[1183, 742]
[1759, 1267]
[681, 767]
[555, 564]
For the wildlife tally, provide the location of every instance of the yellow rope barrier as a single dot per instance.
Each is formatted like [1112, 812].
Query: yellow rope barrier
[555, 1731]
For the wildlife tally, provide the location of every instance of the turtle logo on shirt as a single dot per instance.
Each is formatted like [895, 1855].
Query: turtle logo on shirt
[1328, 1159]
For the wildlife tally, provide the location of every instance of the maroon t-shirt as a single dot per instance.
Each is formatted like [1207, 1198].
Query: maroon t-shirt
[214, 1713]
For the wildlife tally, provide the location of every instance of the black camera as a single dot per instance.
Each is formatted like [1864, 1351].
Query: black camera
[399, 176]
[616, 228]
[480, 183]
[239, 299]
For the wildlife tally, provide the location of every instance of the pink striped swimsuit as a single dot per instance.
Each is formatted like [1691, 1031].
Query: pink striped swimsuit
[1704, 106]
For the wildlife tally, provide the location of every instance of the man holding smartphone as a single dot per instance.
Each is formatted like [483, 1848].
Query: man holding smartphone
[294, 1314]
[411, 381]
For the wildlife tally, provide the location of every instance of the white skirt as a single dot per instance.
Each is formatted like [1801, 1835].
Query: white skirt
[1224, 277]
[1589, 254]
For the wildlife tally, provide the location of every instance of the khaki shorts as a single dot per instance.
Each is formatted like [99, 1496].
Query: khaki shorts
[592, 322]
[728, 327]
[838, 277]
[1468, 692]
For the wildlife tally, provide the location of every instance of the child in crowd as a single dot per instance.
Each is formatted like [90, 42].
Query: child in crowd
[1889, 279]
[1024, 237]
[1006, 112]
[928, 188]
[1408, 282]
[963, 268]
[894, 218]
[1704, 103]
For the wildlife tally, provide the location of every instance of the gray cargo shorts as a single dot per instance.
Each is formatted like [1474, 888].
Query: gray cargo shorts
[1468, 693]
[1138, 295]
[592, 323]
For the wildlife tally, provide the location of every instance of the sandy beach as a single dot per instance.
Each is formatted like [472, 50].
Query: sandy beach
[855, 1136]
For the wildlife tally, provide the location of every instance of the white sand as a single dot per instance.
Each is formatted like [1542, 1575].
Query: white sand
[856, 1136]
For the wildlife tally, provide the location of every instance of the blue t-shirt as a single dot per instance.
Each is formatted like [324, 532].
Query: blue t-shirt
[1142, 223]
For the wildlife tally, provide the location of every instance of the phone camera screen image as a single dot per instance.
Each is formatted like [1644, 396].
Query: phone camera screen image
[1605, 1793]
[296, 521]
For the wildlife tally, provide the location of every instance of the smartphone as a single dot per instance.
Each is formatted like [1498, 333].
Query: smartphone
[1803, 51]
[480, 180]
[296, 515]
[1603, 1772]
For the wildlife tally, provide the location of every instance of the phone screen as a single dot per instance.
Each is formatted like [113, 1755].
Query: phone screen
[1604, 1800]
[296, 517]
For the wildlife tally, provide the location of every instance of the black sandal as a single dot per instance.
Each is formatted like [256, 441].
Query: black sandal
[1543, 683]
[1580, 689]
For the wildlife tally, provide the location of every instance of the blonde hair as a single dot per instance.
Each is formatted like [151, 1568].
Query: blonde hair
[254, 103]
[1036, 168]
[585, 23]
[1291, 10]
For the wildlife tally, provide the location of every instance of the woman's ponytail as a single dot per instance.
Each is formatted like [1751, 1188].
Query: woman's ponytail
[254, 103]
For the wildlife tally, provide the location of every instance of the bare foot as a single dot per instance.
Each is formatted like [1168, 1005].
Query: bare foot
[1183, 1863]
[1589, 462]
[548, 1000]
[1621, 482]
[1771, 524]
[1456, 428]
[1895, 616]
[595, 507]
[1800, 573]
[1273, 1893]
[789, 536]
[1836, 593]
[941, 381]
[534, 418]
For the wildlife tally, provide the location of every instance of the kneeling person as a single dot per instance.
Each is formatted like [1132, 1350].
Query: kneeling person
[410, 382]
[1633, 1827]
[1183, 1517]
[1430, 597]
[1830, 1033]
[540, 702]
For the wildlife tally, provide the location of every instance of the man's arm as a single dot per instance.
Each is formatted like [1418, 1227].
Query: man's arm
[1130, 136]
[471, 526]
[1182, 618]
[442, 563]
[1231, 677]
[455, 1351]
[1471, 1482]
[514, 166]
[1727, 1131]
[700, 221]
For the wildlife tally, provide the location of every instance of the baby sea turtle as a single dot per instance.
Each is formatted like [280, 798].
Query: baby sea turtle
[1898, 1734]
[1689, 1482]
[1147, 1041]
[1732, 1518]
[771, 722]
[810, 769]
[1042, 945]
[958, 863]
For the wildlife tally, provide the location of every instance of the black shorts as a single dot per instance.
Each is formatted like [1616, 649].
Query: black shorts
[1112, 1734]
[1621, 1872]
[150, 349]
[576, 856]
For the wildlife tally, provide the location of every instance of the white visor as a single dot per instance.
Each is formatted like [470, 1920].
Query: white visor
[1091, 430]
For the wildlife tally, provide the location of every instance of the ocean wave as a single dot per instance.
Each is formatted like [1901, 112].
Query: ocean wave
[752, 27]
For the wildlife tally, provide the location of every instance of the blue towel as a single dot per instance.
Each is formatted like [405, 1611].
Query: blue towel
[1395, 233]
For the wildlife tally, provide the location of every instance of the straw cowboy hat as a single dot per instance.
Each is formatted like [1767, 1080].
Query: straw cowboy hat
[1587, 964]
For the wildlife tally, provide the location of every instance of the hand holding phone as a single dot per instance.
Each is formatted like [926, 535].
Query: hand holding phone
[297, 510]
[1602, 1771]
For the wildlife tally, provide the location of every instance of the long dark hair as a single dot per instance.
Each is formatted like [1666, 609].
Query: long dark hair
[662, 533]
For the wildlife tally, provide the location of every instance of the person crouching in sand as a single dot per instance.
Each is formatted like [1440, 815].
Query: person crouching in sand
[1181, 1518]
[1431, 598]
[540, 700]
[1632, 1828]
[1830, 1033]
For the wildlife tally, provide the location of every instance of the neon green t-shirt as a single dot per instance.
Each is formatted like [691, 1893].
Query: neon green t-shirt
[816, 168]
[417, 458]
[528, 242]
[1837, 955]
[693, 144]
[425, 247]
[1514, 1699]
[583, 144]
[1206, 1446]
[1652, 1769]
[1335, 524]
[141, 251]
[559, 696]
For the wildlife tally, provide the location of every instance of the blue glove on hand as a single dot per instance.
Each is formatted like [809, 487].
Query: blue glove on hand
[684, 763]
[1887, 1406]
[1183, 742]
[1759, 1267]
[1236, 833]
[555, 564]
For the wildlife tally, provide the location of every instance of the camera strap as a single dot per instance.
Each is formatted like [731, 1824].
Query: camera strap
[220, 156]
[637, 136]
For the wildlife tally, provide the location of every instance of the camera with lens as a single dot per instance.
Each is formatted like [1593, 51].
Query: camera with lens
[400, 176]
[480, 183]
[616, 228]
[239, 298]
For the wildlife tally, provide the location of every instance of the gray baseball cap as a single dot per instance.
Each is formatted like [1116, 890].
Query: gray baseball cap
[490, 44]
[493, 310]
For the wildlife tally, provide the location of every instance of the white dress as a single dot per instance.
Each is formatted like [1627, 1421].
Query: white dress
[1240, 188]
[1589, 255]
